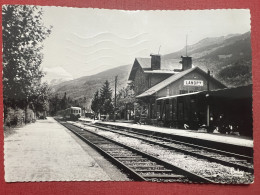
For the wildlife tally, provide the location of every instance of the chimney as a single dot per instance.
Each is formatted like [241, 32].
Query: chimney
[155, 61]
[186, 63]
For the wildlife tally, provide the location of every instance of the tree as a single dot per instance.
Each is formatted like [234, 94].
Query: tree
[23, 36]
[236, 74]
[95, 104]
[54, 102]
[107, 106]
[106, 98]
[41, 99]
[64, 102]
[125, 100]
[105, 92]
[76, 103]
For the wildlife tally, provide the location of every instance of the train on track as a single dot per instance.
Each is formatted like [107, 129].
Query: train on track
[72, 113]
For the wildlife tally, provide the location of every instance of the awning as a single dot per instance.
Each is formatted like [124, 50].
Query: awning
[241, 92]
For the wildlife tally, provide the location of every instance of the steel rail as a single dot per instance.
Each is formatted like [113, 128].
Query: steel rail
[240, 156]
[209, 158]
[176, 138]
[176, 170]
[135, 176]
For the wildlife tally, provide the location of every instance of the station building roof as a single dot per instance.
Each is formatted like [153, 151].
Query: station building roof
[233, 93]
[240, 92]
[166, 64]
[172, 79]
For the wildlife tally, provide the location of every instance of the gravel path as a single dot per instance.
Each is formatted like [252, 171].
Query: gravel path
[45, 151]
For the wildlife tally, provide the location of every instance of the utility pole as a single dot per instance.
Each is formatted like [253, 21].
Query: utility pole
[187, 45]
[208, 77]
[115, 99]
[159, 50]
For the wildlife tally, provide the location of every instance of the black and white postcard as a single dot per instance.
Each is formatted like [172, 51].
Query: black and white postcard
[116, 95]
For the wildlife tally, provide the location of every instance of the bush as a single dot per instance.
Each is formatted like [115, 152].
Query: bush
[20, 116]
[14, 117]
[10, 117]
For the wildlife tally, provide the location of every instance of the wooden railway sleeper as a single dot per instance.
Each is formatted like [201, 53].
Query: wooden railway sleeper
[133, 159]
[156, 170]
[127, 156]
[150, 166]
[164, 176]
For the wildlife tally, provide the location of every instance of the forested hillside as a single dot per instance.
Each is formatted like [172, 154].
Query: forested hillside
[83, 89]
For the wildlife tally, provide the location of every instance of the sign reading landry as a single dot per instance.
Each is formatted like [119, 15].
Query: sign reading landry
[193, 82]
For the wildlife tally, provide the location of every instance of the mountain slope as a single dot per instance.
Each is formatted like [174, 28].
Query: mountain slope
[83, 88]
[227, 57]
[207, 45]
[220, 54]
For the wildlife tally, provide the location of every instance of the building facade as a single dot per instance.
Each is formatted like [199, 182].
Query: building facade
[156, 77]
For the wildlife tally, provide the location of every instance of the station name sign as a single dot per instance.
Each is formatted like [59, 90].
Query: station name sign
[193, 82]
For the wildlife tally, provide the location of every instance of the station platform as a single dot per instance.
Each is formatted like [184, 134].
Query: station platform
[47, 151]
[221, 140]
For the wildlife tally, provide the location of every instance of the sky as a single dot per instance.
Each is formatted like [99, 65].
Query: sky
[85, 41]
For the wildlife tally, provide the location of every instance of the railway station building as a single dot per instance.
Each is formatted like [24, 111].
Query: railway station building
[155, 78]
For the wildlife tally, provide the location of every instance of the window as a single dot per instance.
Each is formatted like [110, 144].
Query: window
[187, 91]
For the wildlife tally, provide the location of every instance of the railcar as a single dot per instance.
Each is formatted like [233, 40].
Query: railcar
[227, 110]
[72, 113]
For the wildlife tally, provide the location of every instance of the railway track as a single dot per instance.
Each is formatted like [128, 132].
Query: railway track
[237, 161]
[140, 166]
